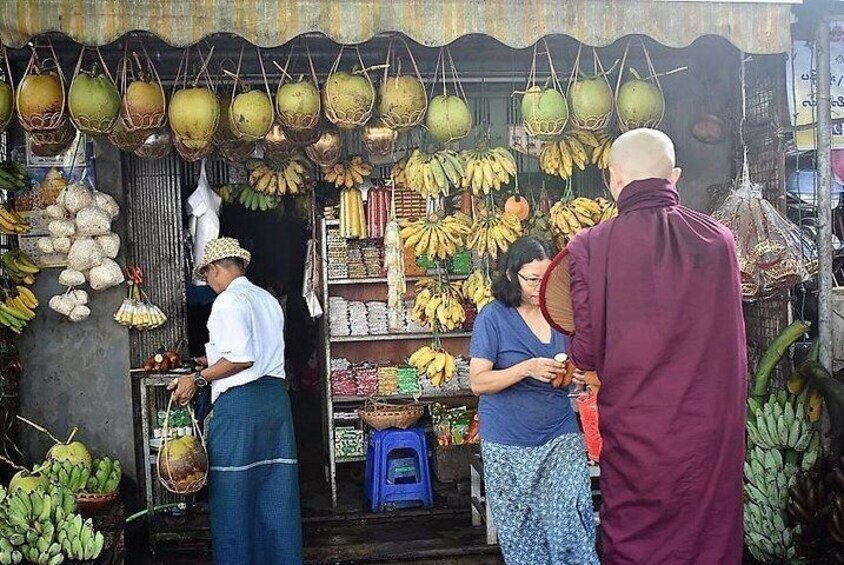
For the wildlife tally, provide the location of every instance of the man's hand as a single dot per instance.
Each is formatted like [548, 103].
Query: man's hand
[184, 388]
[588, 379]
[201, 361]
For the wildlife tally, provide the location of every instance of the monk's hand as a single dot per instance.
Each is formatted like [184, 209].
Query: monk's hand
[543, 369]
[184, 389]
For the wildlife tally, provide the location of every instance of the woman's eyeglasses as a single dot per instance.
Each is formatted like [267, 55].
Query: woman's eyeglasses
[529, 281]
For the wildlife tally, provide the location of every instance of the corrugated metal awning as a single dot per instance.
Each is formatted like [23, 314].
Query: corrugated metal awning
[753, 26]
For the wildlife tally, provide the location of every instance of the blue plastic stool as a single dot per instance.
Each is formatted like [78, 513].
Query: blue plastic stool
[385, 477]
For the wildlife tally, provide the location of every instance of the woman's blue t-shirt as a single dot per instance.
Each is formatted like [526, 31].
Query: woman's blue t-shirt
[529, 413]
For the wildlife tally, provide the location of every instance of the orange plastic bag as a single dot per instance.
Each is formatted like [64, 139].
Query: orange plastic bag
[587, 407]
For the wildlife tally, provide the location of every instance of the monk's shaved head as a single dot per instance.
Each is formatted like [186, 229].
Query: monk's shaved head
[641, 154]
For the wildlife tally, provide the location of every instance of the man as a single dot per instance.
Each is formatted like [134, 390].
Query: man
[657, 313]
[254, 490]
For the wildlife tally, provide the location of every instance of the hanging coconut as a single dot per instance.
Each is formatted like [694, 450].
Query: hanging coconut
[402, 102]
[298, 104]
[277, 144]
[144, 105]
[326, 150]
[251, 115]
[348, 98]
[7, 95]
[448, 118]
[125, 140]
[93, 101]
[639, 103]
[40, 101]
[379, 139]
[232, 148]
[194, 115]
[590, 97]
[544, 112]
[157, 145]
[544, 109]
[224, 131]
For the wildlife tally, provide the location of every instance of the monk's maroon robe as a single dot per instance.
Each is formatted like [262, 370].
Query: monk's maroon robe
[658, 315]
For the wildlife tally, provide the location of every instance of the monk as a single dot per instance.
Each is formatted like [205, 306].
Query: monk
[658, 315]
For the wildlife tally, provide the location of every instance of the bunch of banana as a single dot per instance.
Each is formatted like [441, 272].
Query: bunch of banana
[433, 174]
[64, 502]
[228, 192]
[12, 223]
[560, 157]
[105, 476]
[780, 423]
[258, 201]
[438, 305]
[493, 232]
[288, 176]
[399, 172]
[19, 267]
[539, 226]
[78, 538]
[478, 288]
[24, 511]
[352, 214]
[766, 532]
[9, 555]
[348, 174]
[436, 363]
[13, 176]
[486, 170]
[72, 477]
[570, 217]
[436, 235]
[17, 309]
[601, 153]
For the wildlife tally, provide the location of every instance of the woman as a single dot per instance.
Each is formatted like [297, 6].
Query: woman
[535, 469]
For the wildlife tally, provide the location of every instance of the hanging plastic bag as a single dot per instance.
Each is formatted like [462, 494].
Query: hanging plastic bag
[587, 408]
[203, 207]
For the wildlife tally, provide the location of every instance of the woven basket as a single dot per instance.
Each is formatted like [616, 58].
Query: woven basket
[90, 503]
[383, 415]
[163, 466]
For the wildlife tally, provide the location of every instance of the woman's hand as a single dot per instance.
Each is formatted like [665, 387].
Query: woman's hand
[542, 369]
[587, 379]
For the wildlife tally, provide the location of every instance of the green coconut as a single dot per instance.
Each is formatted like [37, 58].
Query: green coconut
[74, 453]
[544, 111]
[402, 101]
[194, 114]
[28, 482]
[349, 97]
[93, 102]
[7, 102]
[298, 104]
[590, 98]
[183, 463]
[448, 118]
[640, 102]
[252, 114]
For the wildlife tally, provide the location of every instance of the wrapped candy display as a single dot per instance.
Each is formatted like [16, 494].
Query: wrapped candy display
[773, 253]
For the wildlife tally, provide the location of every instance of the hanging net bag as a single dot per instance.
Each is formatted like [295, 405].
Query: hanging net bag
[194, 111]
[182, 461]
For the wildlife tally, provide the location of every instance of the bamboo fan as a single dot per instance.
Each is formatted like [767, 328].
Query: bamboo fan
[627, 124]
[535, 125]
[555, 294]
[401, 118]
[194, 149]
[595, 122]
[357, 111]
[133, 69]
[295, 122]
[53, 118]
[91, 125]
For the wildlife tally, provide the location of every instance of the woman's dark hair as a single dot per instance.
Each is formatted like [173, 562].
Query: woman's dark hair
[505, 286]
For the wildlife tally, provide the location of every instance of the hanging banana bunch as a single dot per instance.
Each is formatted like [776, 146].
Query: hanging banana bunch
[487, 169]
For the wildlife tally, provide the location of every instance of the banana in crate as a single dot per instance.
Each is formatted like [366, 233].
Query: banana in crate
[434, 362]
[12, 223]
[437, 235]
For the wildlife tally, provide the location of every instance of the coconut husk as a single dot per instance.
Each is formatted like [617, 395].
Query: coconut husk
[236, 151]
[134, 121]
[192, 154]
[379, 139]
[47, 121]
[125, 140]
[89, 124]
[52, 142]
[277, 144]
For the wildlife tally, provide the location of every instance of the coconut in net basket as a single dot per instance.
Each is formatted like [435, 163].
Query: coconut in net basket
[41, 96]
[194, 110]
[348, 97]
[590, 97]
[182, 462]
[639, 102]
[93, 101]
[325, 152]
[144, 103]
[544, 109]
[402, 100]
[298, 102]
[381, 415]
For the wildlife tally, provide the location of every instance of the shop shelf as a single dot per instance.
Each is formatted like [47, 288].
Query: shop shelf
[383, 280]
[429, 396]
[350, 459]
[395, 337]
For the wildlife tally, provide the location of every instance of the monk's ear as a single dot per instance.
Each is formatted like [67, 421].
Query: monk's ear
[616, 181]
[675, 175]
